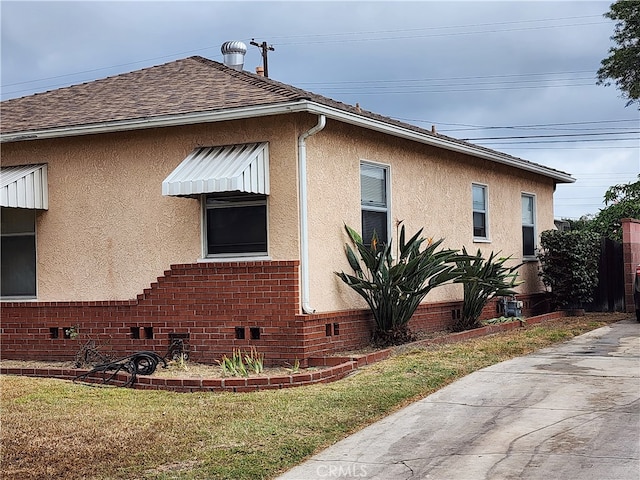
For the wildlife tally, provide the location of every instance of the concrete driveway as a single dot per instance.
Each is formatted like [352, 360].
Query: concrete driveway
[567, 412]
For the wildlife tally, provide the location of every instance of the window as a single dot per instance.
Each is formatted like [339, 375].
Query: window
[18, 252]
[235, 224]
[374, 200]
[528, 225]
[480, 214]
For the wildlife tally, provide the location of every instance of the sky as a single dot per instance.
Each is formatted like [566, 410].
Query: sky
[517, 76]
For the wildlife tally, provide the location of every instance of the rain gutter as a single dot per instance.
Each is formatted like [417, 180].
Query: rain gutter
[302, 193]
[305, 106]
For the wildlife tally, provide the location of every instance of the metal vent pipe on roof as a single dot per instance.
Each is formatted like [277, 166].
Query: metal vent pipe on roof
[233, 53]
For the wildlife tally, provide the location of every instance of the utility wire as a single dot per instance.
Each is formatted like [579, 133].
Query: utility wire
[411, 88]
[555, 129]
[551, 136]
[439, 88]
[577, 147]
[520, 126]
[464, 90]
[405, 30]
[540, 126]
[565, 141]
[105, 68]
[431, 35]
[328, 35]
[472, 77]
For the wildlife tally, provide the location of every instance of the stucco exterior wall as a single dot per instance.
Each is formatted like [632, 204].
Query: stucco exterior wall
[109, 232]
[430, 188]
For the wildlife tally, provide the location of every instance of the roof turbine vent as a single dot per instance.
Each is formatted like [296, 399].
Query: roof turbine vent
[233, 53]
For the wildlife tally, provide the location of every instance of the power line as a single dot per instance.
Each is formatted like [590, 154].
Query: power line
[577, 148]
[431, 35]
[552, 136]
[519, 126]
[561, 200]
[340, 40]
[465, 90]
[472, 77]
[407, 92]
[576, 186]
[502, 84]
[105, 68]
[555, 129]
[405, 30]
[612, 174]
[379, 84]
[566, 141]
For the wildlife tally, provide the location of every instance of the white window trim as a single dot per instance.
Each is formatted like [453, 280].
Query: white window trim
[487, 237]
[531, 258]
[227, 257]
[386, 209]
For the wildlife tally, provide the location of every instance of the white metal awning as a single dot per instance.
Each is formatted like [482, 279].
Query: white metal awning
[231, 168]
[24, 186]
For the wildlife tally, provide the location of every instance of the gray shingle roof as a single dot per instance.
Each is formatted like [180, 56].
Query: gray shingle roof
[194, 84]
[191, 85]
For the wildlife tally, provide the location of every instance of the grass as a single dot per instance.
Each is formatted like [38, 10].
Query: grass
[56, 429]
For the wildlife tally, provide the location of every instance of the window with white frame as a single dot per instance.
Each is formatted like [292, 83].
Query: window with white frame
[528, 225]
[480, 212]
[18, 252]
[235, 224]
[374, 200]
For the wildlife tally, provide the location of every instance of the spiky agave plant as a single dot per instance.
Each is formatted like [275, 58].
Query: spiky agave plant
[483, 279]
[393, 288]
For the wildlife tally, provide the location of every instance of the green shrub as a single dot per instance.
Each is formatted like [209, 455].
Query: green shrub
[569, 266]
[393, 288]
[482, 280]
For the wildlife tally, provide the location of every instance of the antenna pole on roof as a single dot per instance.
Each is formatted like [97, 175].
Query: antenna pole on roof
[265, 50]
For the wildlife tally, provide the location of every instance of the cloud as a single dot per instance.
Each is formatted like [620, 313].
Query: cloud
[445, 63]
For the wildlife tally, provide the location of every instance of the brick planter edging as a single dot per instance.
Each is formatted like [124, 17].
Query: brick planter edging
[337, 367]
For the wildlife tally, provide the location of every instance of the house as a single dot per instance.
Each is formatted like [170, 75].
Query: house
[197, 201]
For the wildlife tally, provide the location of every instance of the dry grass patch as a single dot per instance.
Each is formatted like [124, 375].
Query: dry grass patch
[56, 429]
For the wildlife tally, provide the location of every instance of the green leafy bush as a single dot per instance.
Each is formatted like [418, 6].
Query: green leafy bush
[621, 201]
[483, 279]
[393, 288]
[569, 266]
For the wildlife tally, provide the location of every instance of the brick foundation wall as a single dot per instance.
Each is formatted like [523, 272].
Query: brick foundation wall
[217, 307]
[333, 367]
[215, 304]
[631, 255]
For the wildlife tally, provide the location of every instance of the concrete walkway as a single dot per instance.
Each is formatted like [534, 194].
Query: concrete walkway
[567, 412]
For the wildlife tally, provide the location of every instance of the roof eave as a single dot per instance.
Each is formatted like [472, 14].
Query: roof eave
[283, 108]
[441, 142]
[173, 120]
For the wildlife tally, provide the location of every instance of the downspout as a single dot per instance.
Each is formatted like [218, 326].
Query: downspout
[302, 194]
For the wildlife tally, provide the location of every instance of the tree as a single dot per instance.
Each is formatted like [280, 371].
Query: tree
[623, 63]
[621, 201]
[582, 223]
